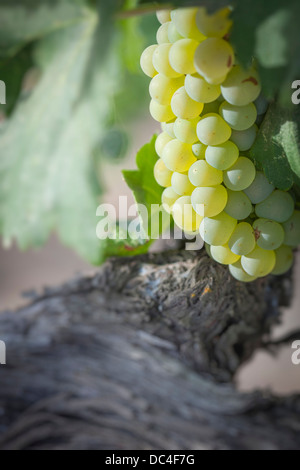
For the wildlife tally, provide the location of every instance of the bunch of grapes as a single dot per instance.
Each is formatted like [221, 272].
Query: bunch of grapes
[209, 107]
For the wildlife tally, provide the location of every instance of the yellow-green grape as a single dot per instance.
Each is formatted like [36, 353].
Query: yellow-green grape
[213, 130]
[160, 112]
[238, 205]
[269, 234]
[279, 206]
[161, 61]
[162, 88]
[181, 184]
[260, 189]
[162, 174]
[178, 156]
[163, 16]
[259, 262]
[168, 199]
[223, 255]
[183, 106]
[241, 86]
[214, 58]
[242, 241]
[284, 260]
[168, 127]
[292, 230]
[239, 118]
[261, 104]
[185, 216]
[162, 33]
[202, 174]
[199, 90]
[240, 175]
[181, 55]
[173, 34]
[222, 156]
[216, 25]
[245, 139]
[162, 140]
[209, 201]
[199, 150]
[184, 20]
[147, 61]
[185, 130]
[217, 230]
[236, 270]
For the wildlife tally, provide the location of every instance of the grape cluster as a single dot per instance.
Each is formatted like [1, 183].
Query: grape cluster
[209, 108]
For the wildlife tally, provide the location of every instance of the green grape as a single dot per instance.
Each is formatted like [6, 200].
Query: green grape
[238, 205]
[147, 61]
[160, 112]
[279, 206]
[236, 270]
[242, 241]
[168, 127]
[199, 150]
[214, 58]
[239, 118]
[209, 201]
[261, 105]
[162, 174]
[199, 90]
[181, 184]
[168, 198]
[223, 255]
[162, 33]
[216, 25]
[241, 86]
[259, 262]
[240, 175]
[213, 130]
[162, 140]
[162, 88]
[217, 230]
[292, 230]
[244, 139]
[185, 130]
[183, 106]
[173, 34]
[184, 20]
[269, 234]
[163, 16]
[161, 61]
[222, 156]
[181, 55]
[260, 189]
[202, 174]
[178, 156]
[184, 215]
[284, 260]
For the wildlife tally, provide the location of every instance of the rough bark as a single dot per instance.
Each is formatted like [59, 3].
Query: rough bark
[142, 356]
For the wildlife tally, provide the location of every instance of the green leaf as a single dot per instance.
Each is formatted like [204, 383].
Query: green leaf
[120, 243]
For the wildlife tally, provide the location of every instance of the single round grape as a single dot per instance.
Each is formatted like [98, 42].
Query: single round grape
[237, 271]
[181, 55]
[216, 25]
[160, 112]
[223, 255]
[163, 16]
[213, 130]
[261, 104]
[244, 139]
[173, 34]
[279, 206]
[241, 86]
[147, 61]
[184, 215]
[199, 150]
[260, 189]
[185, 130]
[238, 205]
[217, 230]
[161, 61]
[199, 90]
[242, 241]
[222, 156]
[269, 234]
[162, 33]
[202, 174]
[178, 156]
[259, 262]
[292, 230]
[181, 184]
[214, 58]
[239, 118]
[284, 260]
[162, 174]
[168, 199]
[209, 201]
[183, 106]
[168, 127]
[161, 141]
[185, 23]
[240, 175]
[162, 88]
